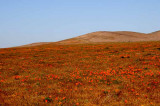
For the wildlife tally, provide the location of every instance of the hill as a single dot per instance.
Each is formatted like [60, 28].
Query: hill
[108, 74]
[105, 36]
[117, 36]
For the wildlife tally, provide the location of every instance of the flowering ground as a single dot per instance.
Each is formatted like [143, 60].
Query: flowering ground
[84, 74]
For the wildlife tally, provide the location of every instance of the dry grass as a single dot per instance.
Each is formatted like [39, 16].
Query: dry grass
[87, 74]
[117, 36]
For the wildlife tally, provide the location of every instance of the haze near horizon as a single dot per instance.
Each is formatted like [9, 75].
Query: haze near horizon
[27, 21]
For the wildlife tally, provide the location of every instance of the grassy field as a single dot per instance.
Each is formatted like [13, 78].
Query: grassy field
[85, 75]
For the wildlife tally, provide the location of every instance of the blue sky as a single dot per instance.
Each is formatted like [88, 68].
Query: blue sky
[29, 21]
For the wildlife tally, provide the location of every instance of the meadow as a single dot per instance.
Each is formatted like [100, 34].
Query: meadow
[106, 74]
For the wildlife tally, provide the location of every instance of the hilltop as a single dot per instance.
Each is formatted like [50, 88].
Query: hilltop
[117, 36]
[106, 36]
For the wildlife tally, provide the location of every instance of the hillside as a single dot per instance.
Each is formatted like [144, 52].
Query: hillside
[105, 36]
[113, 74]
[35, 44]
[117, 36]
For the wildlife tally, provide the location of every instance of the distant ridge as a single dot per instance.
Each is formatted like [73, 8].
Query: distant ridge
[106, 36]
[116, 36]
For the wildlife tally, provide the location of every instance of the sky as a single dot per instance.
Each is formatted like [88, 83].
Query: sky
[29, 21]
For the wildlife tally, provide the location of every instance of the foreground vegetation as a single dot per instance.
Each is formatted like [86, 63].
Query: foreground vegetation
[86, 74]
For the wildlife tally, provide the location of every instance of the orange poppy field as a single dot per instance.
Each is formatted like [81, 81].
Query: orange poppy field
[81, 75]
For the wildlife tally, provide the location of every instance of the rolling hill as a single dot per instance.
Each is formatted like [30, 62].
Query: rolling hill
[92, 73]
[105, 36]
[117, 36]
[102, 74]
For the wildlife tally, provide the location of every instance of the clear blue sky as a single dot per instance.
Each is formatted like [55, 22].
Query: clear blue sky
[28, 21]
